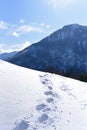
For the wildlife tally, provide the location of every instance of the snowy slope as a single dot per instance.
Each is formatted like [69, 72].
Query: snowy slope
[32, 100]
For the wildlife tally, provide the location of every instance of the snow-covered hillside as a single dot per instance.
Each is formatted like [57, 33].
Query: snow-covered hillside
[32, 100]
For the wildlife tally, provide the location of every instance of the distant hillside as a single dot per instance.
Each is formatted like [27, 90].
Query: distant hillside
[64, 52]
[6, 56]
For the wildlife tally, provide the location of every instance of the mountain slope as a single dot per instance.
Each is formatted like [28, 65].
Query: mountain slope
[63, 52]
[5, 56]
[31, 100]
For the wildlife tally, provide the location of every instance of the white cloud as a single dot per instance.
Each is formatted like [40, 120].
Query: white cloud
[3, 25]
[60, 3]
[24, 29]
[24, 45]
[22, 21]
[18, 30]
[6, 50]
[20, 46]
[1, 47]
[27, 28]
[15, 34]
[42, 24]
[48, 26]
[17, 47]
[45, 25]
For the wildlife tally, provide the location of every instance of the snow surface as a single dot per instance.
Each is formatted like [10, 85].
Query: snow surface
[32, 100]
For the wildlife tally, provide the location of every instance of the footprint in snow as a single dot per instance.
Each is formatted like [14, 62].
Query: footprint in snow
[41, 106]
[49, 100]
[43, 82]
[22, 126]
[48, 93]
[50, 88]
[43, 118]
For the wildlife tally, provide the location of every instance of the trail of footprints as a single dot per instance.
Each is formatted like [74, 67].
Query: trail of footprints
[49, 106]
[44, 109]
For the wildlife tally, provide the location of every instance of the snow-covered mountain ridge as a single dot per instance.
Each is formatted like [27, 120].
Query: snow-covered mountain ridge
[63, 52]
[32, 100]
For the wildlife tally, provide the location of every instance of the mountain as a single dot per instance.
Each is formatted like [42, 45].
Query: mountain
[32, 100]
[63, 52]
[5, 56]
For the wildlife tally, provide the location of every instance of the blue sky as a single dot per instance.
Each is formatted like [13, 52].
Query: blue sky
[23, 22]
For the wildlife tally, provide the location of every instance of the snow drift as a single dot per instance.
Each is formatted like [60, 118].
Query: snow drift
[32, 100]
